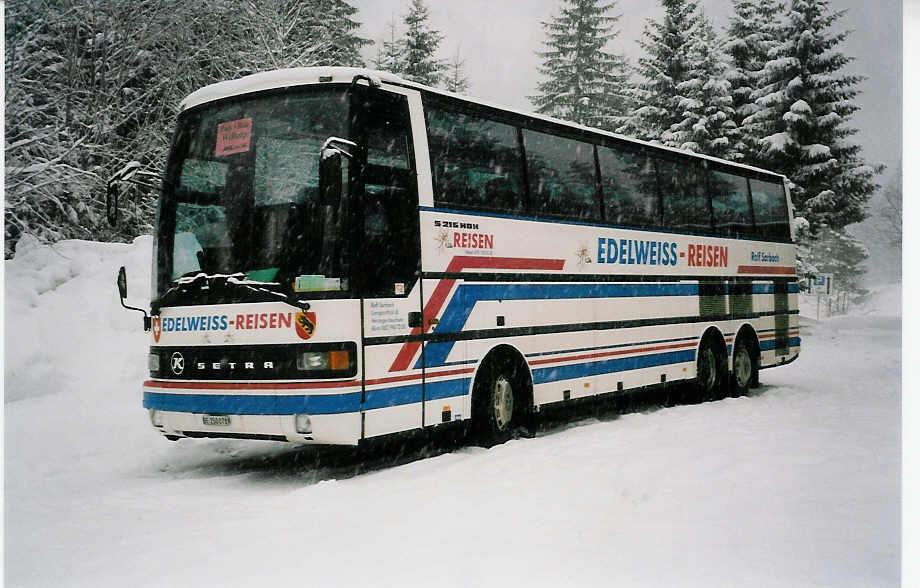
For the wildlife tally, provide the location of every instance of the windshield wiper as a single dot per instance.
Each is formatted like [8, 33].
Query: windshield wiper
[198, 288]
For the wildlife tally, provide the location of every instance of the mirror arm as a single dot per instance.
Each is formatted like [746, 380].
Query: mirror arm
[147, 319]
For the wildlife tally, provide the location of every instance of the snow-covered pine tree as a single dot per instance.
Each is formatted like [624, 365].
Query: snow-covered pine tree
[584, 83]
[801, 127]
[455, 80]
[421, 44]
[655, 98]
[705, 101]
[753, 31]
[299, 33]
[390, 52]
[336, 34]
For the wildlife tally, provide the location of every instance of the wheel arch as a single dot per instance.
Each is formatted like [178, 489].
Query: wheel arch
[523, 374]
[715, 334]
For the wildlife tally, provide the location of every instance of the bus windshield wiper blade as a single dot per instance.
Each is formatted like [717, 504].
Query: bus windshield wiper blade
[200, 288]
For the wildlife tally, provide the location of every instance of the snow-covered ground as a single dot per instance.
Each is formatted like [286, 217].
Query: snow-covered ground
[795, 485]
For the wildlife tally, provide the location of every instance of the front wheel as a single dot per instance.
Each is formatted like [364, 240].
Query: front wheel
[499, 406]
[710, 372]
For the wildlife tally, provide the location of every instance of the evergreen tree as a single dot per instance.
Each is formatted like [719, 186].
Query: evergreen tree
[390, 53]
[705, 101]
[805, 102]
[335, 35]
[585, 83]
[752, 33]
[421, 44]
[298, 33]
[455, 80]
[667, 63]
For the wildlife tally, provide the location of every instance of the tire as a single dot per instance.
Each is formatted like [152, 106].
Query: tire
[498, 404]
[744, 368]
[711, 372]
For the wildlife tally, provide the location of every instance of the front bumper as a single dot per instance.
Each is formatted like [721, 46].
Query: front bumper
[257, 410]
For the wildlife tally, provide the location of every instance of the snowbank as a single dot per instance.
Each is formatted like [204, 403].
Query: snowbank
[61, 300]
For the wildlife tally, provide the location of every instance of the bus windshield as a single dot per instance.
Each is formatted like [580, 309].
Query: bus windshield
[242, 191]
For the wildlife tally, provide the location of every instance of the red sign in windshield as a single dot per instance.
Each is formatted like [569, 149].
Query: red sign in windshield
[233, 136]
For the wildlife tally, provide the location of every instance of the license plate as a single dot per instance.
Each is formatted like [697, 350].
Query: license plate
[216, 420]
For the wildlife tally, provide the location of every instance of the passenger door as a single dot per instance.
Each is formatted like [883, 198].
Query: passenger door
[388, 258]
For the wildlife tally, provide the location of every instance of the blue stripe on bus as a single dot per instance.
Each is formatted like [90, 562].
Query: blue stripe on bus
[267, 404]
[254, 404]
[399, 395]
[594, 368]
[467, 295]
[771, 344]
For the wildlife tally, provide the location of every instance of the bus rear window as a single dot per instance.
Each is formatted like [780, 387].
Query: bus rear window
[731, 207]
[771, 217]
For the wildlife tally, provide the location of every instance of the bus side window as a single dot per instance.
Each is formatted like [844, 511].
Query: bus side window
[560, 172]
[475, 162]
[686, 205]
[731, 205]
[770, 214]
[629, 188]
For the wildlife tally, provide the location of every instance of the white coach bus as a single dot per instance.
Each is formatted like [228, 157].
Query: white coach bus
[341, 254]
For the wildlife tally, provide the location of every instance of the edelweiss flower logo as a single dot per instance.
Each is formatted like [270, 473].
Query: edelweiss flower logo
[583, 255]
[443, 241]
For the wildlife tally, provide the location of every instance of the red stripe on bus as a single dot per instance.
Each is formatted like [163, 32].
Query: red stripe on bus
[442, 290]
[192, 385]
[766, 269]
[611, 353]
[250, 385]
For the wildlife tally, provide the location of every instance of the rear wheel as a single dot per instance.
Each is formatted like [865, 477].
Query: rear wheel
[744, 368]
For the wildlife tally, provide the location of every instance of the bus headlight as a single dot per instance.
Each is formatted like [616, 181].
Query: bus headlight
[153, 363]
[302, 424]
[325, 361]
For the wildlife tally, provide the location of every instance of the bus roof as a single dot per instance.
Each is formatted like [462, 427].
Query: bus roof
[298, 76]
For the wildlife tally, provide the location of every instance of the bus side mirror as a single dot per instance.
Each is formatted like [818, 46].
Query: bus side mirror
[122, 283]
[330, 168]
[330, 179]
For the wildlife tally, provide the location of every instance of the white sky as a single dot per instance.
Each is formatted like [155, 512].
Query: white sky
[499, 40]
